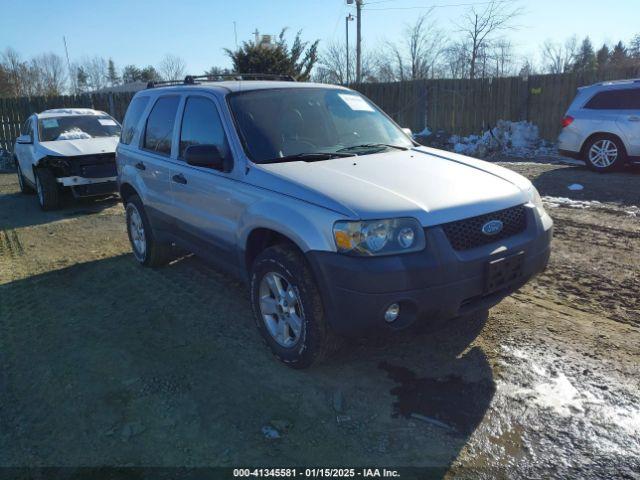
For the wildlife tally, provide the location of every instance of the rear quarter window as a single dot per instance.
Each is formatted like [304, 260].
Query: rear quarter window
[132, 119]
[159, 131]
[623, 99]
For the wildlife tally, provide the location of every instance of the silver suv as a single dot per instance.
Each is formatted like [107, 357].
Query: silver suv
[339, 223]
[602, 125]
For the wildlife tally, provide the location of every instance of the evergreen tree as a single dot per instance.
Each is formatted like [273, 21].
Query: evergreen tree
[634, 47]
[585, 60]
[130, 73]
[277, 58]
[112, 73]
[619, 56]
[602, 57]
[82, 80]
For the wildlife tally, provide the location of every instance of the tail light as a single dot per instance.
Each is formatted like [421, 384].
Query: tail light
[566, 121]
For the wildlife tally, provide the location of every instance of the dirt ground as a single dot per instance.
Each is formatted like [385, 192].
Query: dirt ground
[104, 362]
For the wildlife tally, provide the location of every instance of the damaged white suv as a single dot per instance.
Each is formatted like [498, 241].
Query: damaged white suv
[67, 148]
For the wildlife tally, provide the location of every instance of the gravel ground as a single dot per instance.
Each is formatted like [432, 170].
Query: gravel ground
[108, 363]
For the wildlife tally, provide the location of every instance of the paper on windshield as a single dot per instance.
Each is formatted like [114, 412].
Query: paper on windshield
[107, 122]
[50, 123]
[356, 102]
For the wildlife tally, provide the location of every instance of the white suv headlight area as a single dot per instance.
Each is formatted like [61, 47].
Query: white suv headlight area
[379, 237]
[537, 200]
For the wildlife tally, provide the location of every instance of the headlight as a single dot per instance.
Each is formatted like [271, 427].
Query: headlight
[379, 237]
[536, 200]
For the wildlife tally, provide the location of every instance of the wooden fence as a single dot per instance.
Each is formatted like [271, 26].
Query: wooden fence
[463, 106]
[14, 111]
[459, 106]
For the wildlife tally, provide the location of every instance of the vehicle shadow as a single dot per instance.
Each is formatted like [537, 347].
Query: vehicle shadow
[22, 210]
[109, 363]
[616, 187]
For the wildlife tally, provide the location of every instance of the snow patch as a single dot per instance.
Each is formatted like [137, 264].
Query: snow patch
[425, 132]
[554, 202]
[516, 139]
[73, 134]
[552, 390]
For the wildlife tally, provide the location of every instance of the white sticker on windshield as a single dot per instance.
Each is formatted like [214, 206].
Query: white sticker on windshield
[50, 123]
[107, 122]
[356, 102]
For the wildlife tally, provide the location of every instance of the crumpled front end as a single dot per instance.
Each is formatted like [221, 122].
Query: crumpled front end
[86, 175]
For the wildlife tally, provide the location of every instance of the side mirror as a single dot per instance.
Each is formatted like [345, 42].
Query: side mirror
[24, 139]
[408, 132]
[208, 156]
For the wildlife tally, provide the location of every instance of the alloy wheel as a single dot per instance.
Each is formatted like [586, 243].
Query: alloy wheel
[39, 190]
[136, 231]
[603, 153]
[281, 309]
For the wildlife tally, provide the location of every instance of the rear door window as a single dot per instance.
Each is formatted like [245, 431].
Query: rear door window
[201, 125]
[132, 119]
[159, 131]
[623, 99]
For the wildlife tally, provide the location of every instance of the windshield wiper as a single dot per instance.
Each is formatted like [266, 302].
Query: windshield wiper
[309, 157]
[372, 145]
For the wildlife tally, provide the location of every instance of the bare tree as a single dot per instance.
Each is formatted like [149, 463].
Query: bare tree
[172, 67]
[557, 57]
[479, 26]
[332, 65]
[422, 49]
[502, 57]
[96, 71]
[15, 68]
[50, 71]
[456, 59]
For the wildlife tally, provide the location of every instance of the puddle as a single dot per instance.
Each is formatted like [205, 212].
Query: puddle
[450, 400]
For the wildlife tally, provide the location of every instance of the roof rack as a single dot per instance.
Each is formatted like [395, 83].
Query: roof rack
[197, 79]
[616, 82]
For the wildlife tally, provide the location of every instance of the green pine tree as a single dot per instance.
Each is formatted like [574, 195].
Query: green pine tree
[277, 58]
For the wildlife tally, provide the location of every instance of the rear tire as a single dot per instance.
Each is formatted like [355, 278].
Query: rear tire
[299, 305]
[24, 186]
[604, 153]
[47, 189]
[147, 250]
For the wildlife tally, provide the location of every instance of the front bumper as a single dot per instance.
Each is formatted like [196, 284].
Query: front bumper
[436, 284]
[89, 187]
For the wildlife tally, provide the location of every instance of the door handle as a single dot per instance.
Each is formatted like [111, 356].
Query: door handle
[140, 166]
[634, 118]
[179, 178]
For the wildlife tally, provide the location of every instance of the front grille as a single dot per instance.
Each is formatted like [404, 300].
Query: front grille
[467, 233]
[93, 166]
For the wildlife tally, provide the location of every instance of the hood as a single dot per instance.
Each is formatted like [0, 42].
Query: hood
[431, 185]
[84, 146]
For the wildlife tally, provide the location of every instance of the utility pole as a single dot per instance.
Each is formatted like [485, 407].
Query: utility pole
[235, 34]
[358, 39]
[347, 19]
[66, 52]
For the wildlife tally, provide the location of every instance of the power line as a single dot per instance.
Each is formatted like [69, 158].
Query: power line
[425, 7]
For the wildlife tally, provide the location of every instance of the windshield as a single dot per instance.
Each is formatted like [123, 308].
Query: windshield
[279, 123]
[74, 127]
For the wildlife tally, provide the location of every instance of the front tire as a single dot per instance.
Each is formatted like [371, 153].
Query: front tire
[288, 309]
[24, 186]
[47, 189]
[147, 250]
[604, 153]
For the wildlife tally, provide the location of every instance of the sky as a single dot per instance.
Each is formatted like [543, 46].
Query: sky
[140, 32]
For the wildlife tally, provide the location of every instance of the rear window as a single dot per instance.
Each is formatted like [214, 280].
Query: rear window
[77, 127]
[159, 131]
[132, 119]
[623, 99]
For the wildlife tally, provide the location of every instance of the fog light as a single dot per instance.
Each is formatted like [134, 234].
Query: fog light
[392, 313]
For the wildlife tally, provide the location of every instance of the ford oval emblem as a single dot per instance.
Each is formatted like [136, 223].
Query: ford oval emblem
[492, 227]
